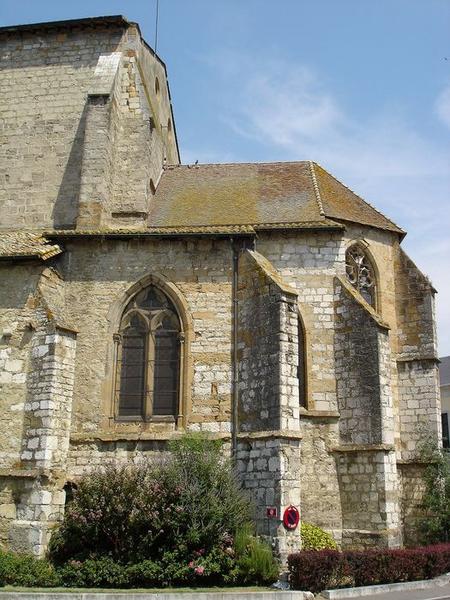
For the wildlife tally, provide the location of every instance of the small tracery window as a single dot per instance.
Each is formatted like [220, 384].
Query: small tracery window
[148, 360]
[360, 273]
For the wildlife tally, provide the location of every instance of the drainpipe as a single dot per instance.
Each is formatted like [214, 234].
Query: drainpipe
[235, 371]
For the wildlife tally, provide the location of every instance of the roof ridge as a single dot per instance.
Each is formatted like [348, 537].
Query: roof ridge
[235, 164]
[363, 199]
[316, 188]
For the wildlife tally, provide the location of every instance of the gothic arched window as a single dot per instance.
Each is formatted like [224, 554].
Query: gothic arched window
[148, 360]
[301, 369]
[361, 274]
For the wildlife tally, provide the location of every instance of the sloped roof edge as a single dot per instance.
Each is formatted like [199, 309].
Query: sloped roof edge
[22, 245]
[389, 223]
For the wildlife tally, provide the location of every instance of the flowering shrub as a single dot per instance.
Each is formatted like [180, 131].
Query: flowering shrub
[139, 512]
[319, 570]
[315, 538]
[157, 525]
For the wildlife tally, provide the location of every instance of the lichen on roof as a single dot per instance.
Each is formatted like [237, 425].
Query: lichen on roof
[26, 244]
[270, 195]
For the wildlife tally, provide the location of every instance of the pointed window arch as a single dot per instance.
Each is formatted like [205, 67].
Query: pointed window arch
[361, 273]
[301, 368]
[148, 360]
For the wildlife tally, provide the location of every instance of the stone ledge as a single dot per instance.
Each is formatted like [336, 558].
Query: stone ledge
[18, 473]
[417, 358]
[414, 461]
[161, 436]
[265, 435]
[380, 533]
[364, 448]
[319, 414]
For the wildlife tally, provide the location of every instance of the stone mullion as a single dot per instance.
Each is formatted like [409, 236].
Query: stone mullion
[149, 376]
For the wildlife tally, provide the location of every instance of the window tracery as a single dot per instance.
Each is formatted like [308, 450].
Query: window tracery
[148, 358]
[360, 273]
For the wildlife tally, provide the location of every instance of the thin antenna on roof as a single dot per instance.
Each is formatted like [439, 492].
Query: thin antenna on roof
[156, 25]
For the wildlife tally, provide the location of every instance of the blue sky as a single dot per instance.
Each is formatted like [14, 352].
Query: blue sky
[361, 87]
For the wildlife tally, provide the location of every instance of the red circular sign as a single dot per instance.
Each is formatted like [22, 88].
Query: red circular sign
[291, 517]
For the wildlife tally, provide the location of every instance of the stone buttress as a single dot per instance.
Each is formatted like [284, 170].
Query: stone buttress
[268, 452]
[35, 484]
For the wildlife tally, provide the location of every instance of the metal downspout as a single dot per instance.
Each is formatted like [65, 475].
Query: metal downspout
[235, 389]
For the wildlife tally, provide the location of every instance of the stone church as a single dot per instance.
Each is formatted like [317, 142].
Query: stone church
[266, 304]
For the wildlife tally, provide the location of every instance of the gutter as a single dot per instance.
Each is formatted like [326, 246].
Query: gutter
[156, 234]
[235, 390]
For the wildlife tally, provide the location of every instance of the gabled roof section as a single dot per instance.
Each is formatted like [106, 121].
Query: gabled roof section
[23, 244]
[280, 195]
[340, 202]
[235, 194]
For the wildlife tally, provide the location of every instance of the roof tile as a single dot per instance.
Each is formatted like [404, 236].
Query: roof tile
[263, 195]
[23, 244]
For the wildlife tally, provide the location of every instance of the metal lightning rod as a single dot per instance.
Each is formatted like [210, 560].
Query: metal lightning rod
[156, 26]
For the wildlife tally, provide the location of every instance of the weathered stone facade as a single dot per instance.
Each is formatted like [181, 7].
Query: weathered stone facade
[95, 208]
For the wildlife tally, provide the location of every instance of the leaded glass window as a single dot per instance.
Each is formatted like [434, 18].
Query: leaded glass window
[360, 273]
[148, 361]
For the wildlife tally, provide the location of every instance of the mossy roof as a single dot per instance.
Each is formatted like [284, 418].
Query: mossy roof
[25, 244]
[263, 195]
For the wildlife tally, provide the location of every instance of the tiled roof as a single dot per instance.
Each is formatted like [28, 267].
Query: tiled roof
[194, 230]
[264, 195]
[25, 244]
[340, 202]
[154, 231]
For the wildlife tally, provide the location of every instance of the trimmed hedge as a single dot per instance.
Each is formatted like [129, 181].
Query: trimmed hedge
[315, 571]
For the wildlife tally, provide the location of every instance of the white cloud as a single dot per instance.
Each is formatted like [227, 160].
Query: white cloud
[288, 106]
[291, 114]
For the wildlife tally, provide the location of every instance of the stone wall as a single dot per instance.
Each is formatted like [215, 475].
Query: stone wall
[60, 112]
[412, 488]
[346, 430]
[98, 277]
[369, 496]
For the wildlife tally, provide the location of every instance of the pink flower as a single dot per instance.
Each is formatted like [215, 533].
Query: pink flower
[199, 570]
[191, 564]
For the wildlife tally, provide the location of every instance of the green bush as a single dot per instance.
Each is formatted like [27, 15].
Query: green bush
[434, 524]
[24, 570]
[254, 559]
[315, 538]
[102, 572]
[190, 502]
